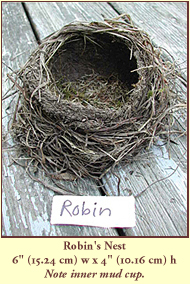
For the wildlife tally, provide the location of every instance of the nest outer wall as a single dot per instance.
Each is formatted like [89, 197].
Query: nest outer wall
[91, 95]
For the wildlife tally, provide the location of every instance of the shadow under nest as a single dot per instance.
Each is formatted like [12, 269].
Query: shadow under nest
[91, 95]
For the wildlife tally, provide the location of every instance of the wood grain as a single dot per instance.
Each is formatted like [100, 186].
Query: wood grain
[166, 24]
[162, 209]
[26, 204]
[48, 17]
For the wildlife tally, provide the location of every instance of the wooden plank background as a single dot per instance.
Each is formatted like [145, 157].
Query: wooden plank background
[27, 204]
[165, 22]
[162, 209]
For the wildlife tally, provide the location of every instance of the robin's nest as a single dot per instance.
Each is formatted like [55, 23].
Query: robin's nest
[91, 95]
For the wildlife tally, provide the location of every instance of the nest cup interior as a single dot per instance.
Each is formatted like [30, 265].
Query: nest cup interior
[99, 57]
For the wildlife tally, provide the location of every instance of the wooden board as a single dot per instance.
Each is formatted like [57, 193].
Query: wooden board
[166, 24]
[48, 17]
[162, 209]
[26, 204]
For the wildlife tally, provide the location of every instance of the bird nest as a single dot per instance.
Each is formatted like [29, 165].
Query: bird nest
[91, 95]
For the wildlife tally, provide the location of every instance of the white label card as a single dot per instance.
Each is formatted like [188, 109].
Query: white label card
[99, 211]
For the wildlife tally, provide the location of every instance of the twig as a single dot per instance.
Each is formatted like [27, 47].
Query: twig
[139, 194]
